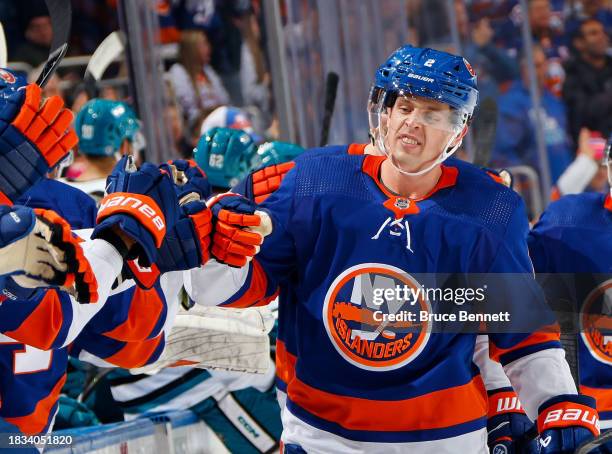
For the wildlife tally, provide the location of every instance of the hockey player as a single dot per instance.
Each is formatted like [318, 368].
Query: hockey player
[107, 130]
[571, 247]
[507, 423]
[129, 334]
[421, 122]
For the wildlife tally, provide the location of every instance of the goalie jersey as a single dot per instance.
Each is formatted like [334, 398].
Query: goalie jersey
[573, 242]
[338, 233]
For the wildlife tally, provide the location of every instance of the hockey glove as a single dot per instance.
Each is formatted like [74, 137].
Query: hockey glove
[39, 249]
[187, 244]
[238, 229]
[190, 182]
[33, 139]
[141, 204]
[565, 422]
[508, 425]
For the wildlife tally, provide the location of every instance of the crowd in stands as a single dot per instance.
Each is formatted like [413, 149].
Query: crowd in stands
[569, 51]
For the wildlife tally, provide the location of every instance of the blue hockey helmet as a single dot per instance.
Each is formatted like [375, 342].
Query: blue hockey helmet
[102, 125]
[382, 79]
[10, 82]
[225, 155]
[432, 74]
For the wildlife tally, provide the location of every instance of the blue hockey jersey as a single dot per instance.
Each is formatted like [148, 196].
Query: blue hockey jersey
[338, 234]
[36, 330]
[573, 240]
[33, 375]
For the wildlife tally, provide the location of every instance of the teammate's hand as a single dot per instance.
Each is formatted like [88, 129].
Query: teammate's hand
[190, 181]
[39, 250]
[142, 204]
[187, 244]
[33, 139]
[238, 229]
[508, 426]
[565, 422]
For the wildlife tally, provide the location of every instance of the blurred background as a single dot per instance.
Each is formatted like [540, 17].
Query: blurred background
[544, 66]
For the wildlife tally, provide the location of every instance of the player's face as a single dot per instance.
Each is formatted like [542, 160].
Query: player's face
[418, 131]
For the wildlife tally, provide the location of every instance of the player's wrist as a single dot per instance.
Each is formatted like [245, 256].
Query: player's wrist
[118, 239]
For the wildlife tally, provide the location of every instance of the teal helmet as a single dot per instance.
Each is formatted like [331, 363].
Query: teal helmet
[102, 125]
[270, 153]
[225, 155]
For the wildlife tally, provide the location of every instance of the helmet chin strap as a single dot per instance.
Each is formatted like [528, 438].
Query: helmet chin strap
[439, 160]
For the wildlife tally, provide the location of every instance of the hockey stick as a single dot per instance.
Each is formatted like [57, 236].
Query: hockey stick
[3, 51]
[107, 52]
[331, 90]
[485, 126]
[60, 12]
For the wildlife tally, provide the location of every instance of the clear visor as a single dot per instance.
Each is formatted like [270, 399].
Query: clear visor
[418, 110]
[403, 107]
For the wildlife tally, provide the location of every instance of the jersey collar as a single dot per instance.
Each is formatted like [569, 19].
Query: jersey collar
[402, 206]
[608, 203]
[371, 166]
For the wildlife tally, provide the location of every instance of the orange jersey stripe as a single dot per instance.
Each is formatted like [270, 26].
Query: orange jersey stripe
[357, 148]
[285, 362]
[546, 334]
[4, 200]
[439, 409]
[256, 290]
[601, 395]
[135, 354]
[35, 422]
[145, 310]
[44, 323]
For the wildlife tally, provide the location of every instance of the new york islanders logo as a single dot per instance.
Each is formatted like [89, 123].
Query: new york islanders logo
[372, 317]
[596, 322]
[7, 77]
[402, 203]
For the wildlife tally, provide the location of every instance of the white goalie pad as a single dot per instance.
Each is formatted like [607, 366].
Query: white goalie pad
[218, 338]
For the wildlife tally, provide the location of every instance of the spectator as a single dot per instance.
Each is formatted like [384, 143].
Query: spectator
[588, 9]
[255, 79]
[587, 173]
[492, 65]
[229, 117]
[38, 35]
[195, 83]
[515, 141]
[587, 90]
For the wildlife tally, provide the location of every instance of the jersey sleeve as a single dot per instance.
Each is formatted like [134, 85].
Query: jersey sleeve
[48, 318]
[534, 361]
[257, 282]
[104, 351]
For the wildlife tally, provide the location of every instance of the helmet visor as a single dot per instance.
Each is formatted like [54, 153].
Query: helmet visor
[421, 110]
